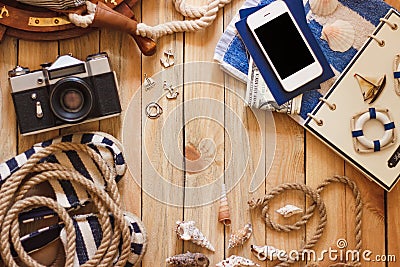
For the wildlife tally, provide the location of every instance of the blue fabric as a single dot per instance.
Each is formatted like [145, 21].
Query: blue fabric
[309, 101]
[389, 126]
[396, 74]
[377, 146]
[372, 113]
[237, 57]
[371, 10]
[357, 133]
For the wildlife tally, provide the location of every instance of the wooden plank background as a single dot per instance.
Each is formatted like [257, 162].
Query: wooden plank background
[299, 157]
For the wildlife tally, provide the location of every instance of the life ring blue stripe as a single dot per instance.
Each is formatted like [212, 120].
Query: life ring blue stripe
[372, 113]
[377, 145]
[389, 126]
[357, 133]
[396, 74]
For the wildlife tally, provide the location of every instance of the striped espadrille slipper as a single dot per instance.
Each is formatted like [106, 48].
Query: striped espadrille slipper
[68, 194]
[72, 196]
[89, 235]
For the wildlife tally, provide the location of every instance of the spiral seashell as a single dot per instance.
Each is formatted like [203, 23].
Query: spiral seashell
[188, 260]
[189, 232]
[224, 214]
[340, 35]
[236, 261]
[323, 7]
[289, 210]
[241, 236]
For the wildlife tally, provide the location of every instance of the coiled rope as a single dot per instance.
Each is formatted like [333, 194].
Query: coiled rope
[202, 17]
[314, 194]
[33, 173]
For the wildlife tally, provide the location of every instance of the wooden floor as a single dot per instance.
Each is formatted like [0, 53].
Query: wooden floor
[221, 137]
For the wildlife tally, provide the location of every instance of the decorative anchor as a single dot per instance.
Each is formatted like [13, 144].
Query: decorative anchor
[172, 93]
[4, 11]
[169, 61]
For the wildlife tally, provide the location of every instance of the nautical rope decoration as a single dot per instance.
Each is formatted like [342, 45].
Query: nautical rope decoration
[120, 237]
[202, 16]
[314, 194]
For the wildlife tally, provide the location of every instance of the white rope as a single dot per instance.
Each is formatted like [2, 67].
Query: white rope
[203, 16]
[86, 20]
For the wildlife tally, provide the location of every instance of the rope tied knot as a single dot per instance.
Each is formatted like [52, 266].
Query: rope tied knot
[314, 194]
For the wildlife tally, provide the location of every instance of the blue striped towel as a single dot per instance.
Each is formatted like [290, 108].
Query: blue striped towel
[364, 15]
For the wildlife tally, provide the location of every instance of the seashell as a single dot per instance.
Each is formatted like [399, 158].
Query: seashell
[323, 7]
[289, 210]
[224, 214]
[189, 232]
[241, 236]
[271, 253]
[340, 35]
[236, 261]
[188, 259]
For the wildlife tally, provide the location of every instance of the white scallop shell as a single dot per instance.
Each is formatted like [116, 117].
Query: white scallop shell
[289, 210]
[323, 7]
[339, 35]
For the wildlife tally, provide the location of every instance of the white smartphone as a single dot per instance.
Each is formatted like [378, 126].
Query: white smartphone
[284, 45]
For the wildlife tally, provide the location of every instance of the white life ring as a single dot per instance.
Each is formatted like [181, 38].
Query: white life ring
[388, 125]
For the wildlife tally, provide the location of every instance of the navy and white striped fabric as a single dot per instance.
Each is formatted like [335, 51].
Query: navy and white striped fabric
[55, 4]
[69, 194]
[89, 235]
[39, 238]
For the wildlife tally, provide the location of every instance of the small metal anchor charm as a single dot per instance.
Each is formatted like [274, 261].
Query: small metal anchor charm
[172, 93]
[148, 82]
[4, 11]
[169, 61]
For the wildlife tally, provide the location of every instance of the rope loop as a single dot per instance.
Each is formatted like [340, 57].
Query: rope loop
[314, 194]
[114, 248]
[392, 25]
[380, 42]
[202, 16]
[332, 106]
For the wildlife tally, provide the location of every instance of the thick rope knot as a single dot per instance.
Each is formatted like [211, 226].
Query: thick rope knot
[114, 248]
[202, 17]
[314, 194]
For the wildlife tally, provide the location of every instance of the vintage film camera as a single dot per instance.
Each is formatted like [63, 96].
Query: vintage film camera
[69, 91]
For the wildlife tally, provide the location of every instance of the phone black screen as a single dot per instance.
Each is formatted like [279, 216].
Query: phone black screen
[284, 45]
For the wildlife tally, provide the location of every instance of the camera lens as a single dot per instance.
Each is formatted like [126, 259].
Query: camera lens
[71, 99]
